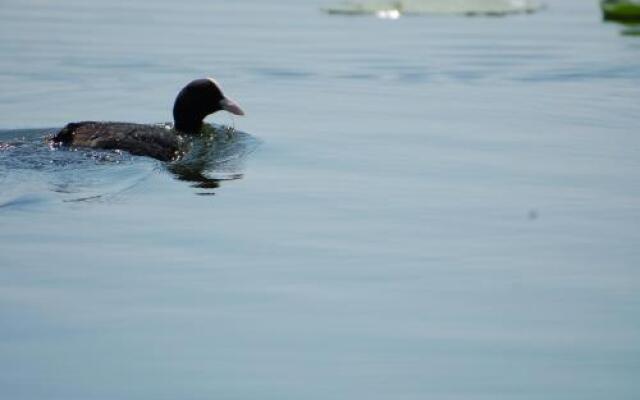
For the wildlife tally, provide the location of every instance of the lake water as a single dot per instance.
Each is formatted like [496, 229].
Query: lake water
[430, 207]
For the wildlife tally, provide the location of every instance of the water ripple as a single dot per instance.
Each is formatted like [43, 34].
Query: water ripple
[34, 173]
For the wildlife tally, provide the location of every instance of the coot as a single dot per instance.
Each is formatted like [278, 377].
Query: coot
[195, 101]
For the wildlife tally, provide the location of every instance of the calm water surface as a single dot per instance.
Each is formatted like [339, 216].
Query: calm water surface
[432, 207]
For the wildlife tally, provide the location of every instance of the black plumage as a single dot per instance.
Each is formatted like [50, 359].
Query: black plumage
[195, 101]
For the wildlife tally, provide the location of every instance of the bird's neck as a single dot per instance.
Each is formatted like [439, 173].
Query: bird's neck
[188, 126]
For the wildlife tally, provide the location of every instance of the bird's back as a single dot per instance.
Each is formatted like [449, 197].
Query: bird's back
[155, 141]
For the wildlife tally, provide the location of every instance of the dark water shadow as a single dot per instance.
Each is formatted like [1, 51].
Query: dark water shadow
[629, 28]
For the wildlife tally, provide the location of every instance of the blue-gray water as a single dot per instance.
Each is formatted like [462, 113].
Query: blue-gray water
[435, 208]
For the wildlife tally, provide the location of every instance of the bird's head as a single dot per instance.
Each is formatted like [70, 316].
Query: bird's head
[197, 100]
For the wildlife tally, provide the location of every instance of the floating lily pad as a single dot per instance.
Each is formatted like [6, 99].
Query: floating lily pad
[621, 10]
[393, 9]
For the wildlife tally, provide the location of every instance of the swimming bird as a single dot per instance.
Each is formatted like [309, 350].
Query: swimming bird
[194, 102]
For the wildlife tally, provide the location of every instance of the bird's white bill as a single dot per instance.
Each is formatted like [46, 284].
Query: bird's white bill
[229, 105]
